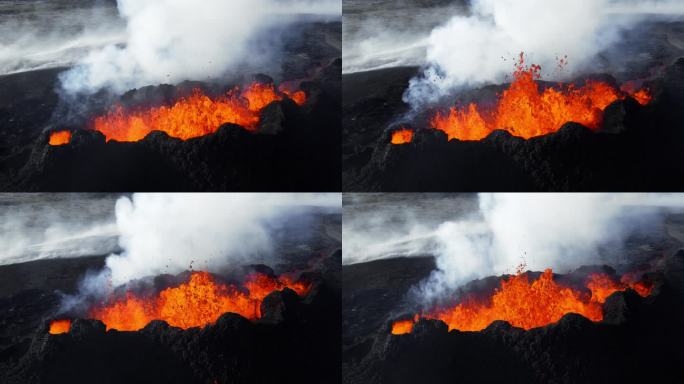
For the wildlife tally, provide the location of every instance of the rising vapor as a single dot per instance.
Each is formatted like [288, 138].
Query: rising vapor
[479, 48]
[169, 233]
[170, 41]
[559, 231]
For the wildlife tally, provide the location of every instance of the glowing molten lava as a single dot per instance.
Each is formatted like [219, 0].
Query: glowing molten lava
[527, 305]
[198, 302]
[59, 326]
[60, 138]
[195, 115]
[402, 326]
[526, 111]
[402, 136]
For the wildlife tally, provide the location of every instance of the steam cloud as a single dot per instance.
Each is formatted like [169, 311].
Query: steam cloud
[36, 35]
[560, 231]
[169, 41]
[35, 227]
[379, 37]
[479, 48]
[168, 233]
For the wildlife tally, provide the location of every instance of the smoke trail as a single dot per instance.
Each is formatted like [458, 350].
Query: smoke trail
[479, 48]
[170, 41]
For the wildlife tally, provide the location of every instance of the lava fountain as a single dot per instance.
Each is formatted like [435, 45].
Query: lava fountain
[199, 301]
[525, 110]
[527, 305]
[195, 115]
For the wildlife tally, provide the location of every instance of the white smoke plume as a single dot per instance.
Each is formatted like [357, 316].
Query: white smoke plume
[480, 48]
[168, 41]
[492, 234]
[559, 231]
[169, 233]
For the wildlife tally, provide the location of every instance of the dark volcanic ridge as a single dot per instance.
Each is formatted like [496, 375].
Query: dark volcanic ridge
[637, 148]
[295, 340]
[637, 340]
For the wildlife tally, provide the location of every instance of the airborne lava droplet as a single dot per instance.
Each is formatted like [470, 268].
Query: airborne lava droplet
[527, 305]
[526, 111]
[59, 326]
[60, 138]
[198, 302]
[195, 115]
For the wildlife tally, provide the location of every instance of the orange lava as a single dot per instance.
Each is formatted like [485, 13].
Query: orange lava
[195, 115]
[402, 326]
[526, 111]
[60, 138]
[198, 302]
[602, 286]
[527, 305]
[59, 326]
[402, 136]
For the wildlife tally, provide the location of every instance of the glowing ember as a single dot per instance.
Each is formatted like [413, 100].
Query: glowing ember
[60, 138]
[526, 111]
[402, 136]
[196, 303]
[59, 326]
[529, 305]
[196, 115]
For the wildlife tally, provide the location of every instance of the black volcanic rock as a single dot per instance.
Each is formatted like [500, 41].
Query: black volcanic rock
[277, 305]
[622, 115]
[275, 116]
[620, 306]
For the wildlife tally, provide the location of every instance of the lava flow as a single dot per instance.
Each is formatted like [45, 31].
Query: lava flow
[198, 302]
[60, 138]
[59, 326]
[526, 111]
[196, 115]
[529, 305]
